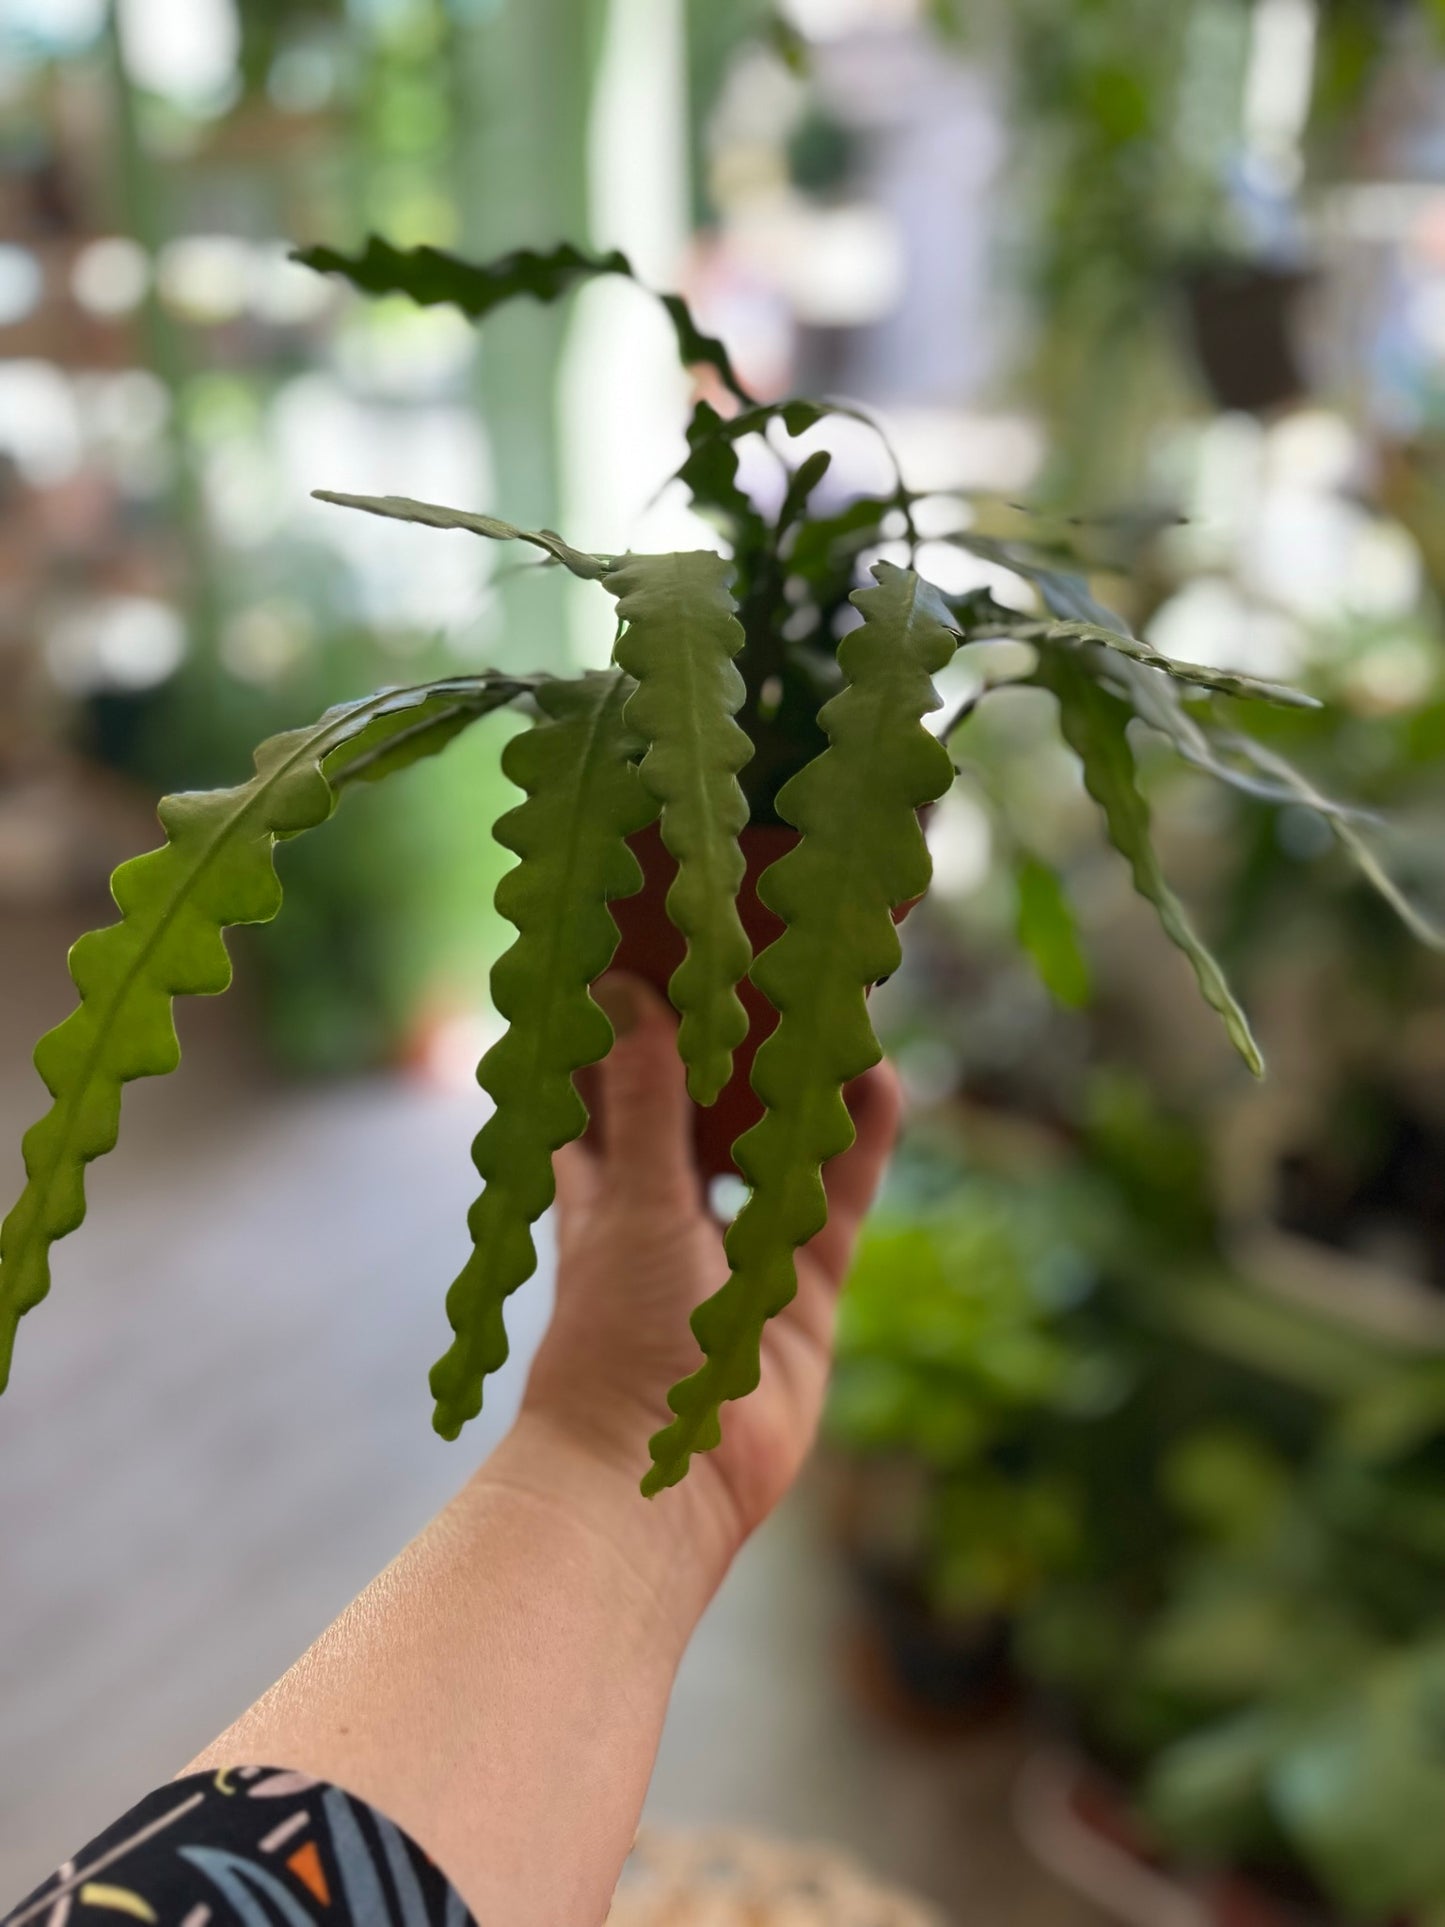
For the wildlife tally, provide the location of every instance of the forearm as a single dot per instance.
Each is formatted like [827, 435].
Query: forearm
[500, 1689]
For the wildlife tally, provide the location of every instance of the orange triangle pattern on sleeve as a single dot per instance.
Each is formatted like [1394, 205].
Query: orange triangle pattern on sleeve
[305, 1863]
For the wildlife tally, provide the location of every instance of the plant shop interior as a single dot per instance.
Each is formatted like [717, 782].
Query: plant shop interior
[1115, 1589]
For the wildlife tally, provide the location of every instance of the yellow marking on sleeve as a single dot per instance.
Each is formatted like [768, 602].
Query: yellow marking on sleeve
[120, 1900]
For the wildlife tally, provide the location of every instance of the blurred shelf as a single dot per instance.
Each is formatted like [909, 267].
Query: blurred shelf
[64, 829]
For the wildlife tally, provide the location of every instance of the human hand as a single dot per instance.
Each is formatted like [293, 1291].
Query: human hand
[500, 1689]
[638, 1251]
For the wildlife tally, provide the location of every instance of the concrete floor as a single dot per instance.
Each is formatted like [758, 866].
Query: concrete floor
[218, 1431]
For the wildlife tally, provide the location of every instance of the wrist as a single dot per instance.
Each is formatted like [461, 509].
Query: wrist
[671, 1552]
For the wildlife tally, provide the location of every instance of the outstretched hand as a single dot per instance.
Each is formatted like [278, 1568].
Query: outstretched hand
[638, 1251]
[500, 1689]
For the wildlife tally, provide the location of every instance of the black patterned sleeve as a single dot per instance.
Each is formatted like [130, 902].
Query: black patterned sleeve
[250, 1847]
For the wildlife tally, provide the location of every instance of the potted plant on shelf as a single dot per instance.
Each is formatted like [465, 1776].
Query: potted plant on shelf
[1327, 1181]
[947, 1357]
[773, 698]
[1208, 1519]
[1254, 1685]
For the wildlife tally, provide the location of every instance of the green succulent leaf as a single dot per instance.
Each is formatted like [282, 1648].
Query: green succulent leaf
[1048, 932]
[1208, 1790]
[1081, 617]
[1355, 846]
[698, 350]
[1121, 662]
[1140, 675]
[216, 868]
[804, 480]
[1359, 1791]
[398, 738]
[710, 471]
[679, 637]
[401, 508]
[788, 42]
[861, 855]
[1064, 592]
[1155, 699]
[821, 542]
[584, 798]
[1095, 724]
[1221, 682]
[433, 278]
[797, 415]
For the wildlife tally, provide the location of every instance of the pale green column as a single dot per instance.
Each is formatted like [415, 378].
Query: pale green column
[140, 203]
[525, 77]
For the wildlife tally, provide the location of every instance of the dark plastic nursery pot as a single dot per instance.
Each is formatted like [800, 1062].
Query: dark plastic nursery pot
[1243, 321]
[925, 1673]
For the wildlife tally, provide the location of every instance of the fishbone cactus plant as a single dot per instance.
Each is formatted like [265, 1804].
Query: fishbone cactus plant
[786, 683]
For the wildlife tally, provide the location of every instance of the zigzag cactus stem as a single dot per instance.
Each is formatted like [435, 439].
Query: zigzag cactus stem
[861, 855]
[216, 868]
[680, 635]
[584, 799]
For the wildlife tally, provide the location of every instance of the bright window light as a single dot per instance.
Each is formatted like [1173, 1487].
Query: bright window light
[828, 19]
[956, 572]
[21, 284]
[320, 436]
[109, 276]
[129, 407]
[1394, 677]
[186, 49]
[265, 642]
[962, 448]
[39, 421]
[205, 277]
[116, 643]
[839, 267]
[1211, 621]
[1280, 80]
[52, 26]
[283, 292]
[960, 841]
[302, 79]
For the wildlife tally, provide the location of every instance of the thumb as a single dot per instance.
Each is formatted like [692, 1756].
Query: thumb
[646, 1114]
[876, 1103]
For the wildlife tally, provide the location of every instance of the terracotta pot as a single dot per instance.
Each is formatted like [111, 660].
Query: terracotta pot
[1079, 1824]
[652, 949]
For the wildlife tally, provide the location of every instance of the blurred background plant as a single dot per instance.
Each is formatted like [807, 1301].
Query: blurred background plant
[1196, 1517]
[1140, 1407]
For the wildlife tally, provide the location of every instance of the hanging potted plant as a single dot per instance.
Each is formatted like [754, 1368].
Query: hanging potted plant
[1243, 325]
[761, 722]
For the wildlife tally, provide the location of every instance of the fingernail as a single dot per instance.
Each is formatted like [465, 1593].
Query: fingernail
[618, 997]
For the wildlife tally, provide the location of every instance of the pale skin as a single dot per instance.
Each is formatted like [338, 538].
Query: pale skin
[499, 1690]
